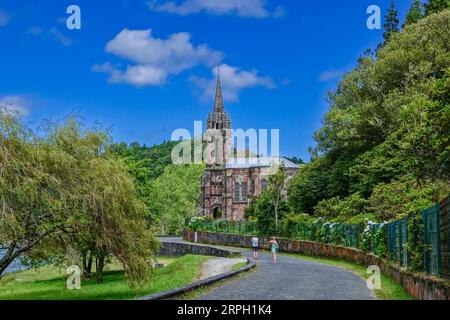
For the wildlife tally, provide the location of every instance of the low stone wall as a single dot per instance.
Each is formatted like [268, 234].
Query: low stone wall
[419, 286]
[175, 249]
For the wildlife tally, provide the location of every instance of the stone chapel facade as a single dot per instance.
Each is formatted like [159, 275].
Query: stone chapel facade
[230, 184]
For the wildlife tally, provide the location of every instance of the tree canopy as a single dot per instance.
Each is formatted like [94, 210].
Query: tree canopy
[387, 129]
[61, 195]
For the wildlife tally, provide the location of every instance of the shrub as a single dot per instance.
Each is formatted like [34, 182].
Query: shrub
[416, 246]
[341, 209]
[380, 246]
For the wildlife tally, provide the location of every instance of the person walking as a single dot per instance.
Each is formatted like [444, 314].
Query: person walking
[274, 249]
[255, 247]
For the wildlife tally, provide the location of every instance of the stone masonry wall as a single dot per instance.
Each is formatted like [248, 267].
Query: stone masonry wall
[174, 249]
[419, 286]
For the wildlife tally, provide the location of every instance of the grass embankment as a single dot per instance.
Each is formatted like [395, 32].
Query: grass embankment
[239, 265]
[49, 283]
[390, 290]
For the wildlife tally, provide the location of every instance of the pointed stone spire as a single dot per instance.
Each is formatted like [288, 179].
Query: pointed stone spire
[218, 118]
[218, 100]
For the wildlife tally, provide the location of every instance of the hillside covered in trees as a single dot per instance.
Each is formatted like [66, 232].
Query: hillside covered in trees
[171, 192]
[383, 150]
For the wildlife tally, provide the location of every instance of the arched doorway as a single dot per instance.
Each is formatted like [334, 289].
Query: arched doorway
[217, 213]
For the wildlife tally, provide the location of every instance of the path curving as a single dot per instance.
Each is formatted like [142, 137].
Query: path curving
[291, 279]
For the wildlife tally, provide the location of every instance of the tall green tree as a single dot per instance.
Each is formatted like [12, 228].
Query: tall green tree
[391, 22]
[434, 6]
[277, 186]
[415, 13]
[264, 212]
[175, 197]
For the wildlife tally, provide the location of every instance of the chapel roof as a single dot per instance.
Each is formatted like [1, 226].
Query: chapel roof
[246, 163]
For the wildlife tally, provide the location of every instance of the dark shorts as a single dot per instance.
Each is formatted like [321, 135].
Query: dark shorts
[255, 249]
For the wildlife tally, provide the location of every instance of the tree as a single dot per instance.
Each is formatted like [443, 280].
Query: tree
[391, 23]
[60, 193]
[175, 197]
[113, 222]
[264, 212]
[296, 160]
[435, 6]
[414, 14]
[36, 181]
[388, 120]
[277, 184]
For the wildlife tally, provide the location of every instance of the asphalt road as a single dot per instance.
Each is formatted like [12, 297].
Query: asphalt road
[292, 279]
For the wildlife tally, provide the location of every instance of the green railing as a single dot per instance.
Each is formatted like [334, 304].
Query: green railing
[388, 239]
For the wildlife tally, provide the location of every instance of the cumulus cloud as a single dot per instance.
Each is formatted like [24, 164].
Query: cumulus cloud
[242, 8]
[15, 103]
[153, 59]
[4, 18]
[330, 75]
[233, 79]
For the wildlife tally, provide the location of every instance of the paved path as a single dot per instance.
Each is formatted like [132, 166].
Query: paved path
[292, 279]
[214, 267]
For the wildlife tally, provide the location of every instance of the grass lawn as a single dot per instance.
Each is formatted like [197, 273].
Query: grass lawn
[390, 290]
[49, 283]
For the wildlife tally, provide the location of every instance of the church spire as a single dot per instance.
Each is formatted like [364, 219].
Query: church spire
[218, 100]
[218, 118]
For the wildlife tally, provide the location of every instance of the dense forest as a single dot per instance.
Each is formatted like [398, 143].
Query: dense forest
[383, 150]
[171, 192]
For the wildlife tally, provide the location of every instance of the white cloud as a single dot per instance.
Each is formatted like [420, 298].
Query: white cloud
[243, 8]
[331, 75]
[52, 33]
[153, 59]
[65, 41]
[4, 18]
[15, 103]
[234, 80]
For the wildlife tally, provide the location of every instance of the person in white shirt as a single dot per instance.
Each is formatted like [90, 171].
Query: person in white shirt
[255, 246]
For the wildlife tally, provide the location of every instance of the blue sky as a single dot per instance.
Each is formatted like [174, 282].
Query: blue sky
[144, 68]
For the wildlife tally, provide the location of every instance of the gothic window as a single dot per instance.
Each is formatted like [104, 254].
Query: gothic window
[240, 191]
[244, 192]
[263, 185]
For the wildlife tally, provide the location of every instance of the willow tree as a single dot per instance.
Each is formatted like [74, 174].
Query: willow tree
[60, 190]
[114, 222]
[35, 198]
[111, 219]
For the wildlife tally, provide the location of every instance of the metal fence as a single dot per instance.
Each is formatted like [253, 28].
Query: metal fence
[434, 237]
[445, 237]
[432, 240]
